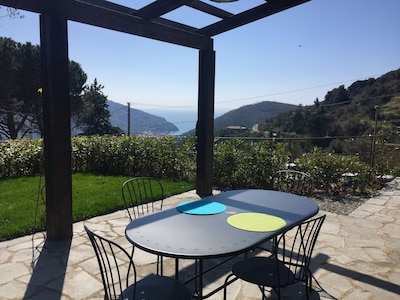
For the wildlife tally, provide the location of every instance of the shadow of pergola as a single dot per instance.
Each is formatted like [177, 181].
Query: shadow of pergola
[48, 273]
[323, 263]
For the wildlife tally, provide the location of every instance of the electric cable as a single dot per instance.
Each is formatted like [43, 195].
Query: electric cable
[36, 250]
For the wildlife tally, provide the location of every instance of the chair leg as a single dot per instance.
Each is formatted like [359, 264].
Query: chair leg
[277, 292]
[228, 281]
[177, 268]
[160, 266]
[196, 273]
[262, 290]
[226, 284]
[308, 285]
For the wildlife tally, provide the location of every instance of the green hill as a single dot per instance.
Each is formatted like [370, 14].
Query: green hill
[345, 112]
[249, 115]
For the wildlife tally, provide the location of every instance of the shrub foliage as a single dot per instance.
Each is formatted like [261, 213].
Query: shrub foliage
[237, 163]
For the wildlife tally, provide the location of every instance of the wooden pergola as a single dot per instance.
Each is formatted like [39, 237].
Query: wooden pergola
[146, 22]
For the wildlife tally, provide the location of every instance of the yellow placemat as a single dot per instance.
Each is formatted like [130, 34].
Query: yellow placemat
[256, 222]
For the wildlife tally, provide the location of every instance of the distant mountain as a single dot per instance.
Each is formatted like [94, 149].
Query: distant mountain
[250, 115]
[142, 123]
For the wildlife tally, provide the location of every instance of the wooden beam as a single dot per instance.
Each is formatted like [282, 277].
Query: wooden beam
[57, 128]
[118, 20]
[33, 6]
[131, 11]
[248, 16]
[100, 17]
[205, 123]
[210, 9]
[160, 7]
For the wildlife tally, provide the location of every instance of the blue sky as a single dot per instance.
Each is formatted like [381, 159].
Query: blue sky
[292, 57]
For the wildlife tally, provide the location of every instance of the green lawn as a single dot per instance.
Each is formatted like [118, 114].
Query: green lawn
[22, 210]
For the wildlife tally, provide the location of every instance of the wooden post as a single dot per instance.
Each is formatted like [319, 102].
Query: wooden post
[205, 122]
[57, 128]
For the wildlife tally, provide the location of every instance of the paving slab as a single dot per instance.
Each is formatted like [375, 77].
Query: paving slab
[357, 256]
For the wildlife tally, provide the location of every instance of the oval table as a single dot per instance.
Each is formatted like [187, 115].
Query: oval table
[172, 233]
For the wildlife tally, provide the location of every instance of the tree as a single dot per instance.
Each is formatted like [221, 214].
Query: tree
[21, 105]
[95, 116]
[77, 81]
[19, 84]
[12, 13]
[338, 95]
[28, 83]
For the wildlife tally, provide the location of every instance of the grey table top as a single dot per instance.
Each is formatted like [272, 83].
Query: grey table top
[175, 234]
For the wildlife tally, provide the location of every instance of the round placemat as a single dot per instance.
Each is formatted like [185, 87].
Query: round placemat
[256, 222]
[201, 207]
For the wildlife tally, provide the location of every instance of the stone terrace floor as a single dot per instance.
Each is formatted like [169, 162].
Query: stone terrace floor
[356, 257]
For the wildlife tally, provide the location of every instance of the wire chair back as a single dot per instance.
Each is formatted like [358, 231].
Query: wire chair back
[116, 273]
[292, 181]
[142, 195]
[294, 249]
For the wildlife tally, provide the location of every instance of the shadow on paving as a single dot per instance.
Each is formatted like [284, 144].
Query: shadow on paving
[217, 269]
[48, 273]
[354, 275]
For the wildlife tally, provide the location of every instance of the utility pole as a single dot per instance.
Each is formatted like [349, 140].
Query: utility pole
[374, 138]
[129, 118]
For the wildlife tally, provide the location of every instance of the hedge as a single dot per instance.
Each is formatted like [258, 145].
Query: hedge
[237, 163]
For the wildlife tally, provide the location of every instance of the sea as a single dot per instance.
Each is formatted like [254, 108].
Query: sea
[185, 120]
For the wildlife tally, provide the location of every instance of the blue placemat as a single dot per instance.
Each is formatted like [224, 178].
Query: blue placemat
[201, 207]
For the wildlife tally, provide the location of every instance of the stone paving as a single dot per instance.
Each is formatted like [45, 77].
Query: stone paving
[356, 257]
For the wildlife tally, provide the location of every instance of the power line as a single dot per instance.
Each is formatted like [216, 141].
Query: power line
[295, 91]
[161, 105]
[360, 100]
[261, 96]
[121, 108]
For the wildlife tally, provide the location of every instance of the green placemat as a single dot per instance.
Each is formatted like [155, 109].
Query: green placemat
[256, 222]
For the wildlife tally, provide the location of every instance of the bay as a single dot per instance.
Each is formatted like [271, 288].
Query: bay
[185, 120]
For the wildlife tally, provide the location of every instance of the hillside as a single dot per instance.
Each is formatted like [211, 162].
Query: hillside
[250, 115]
[142, 123]
[345, 112]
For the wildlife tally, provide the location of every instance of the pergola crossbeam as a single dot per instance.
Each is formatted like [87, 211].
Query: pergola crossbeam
[249, 16]
[108, 17]
[209, 9]
[159, 8]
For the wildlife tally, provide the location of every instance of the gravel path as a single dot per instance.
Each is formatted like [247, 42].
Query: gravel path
[339, 205]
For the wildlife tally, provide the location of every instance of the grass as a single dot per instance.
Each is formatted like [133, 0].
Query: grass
[22, 210]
